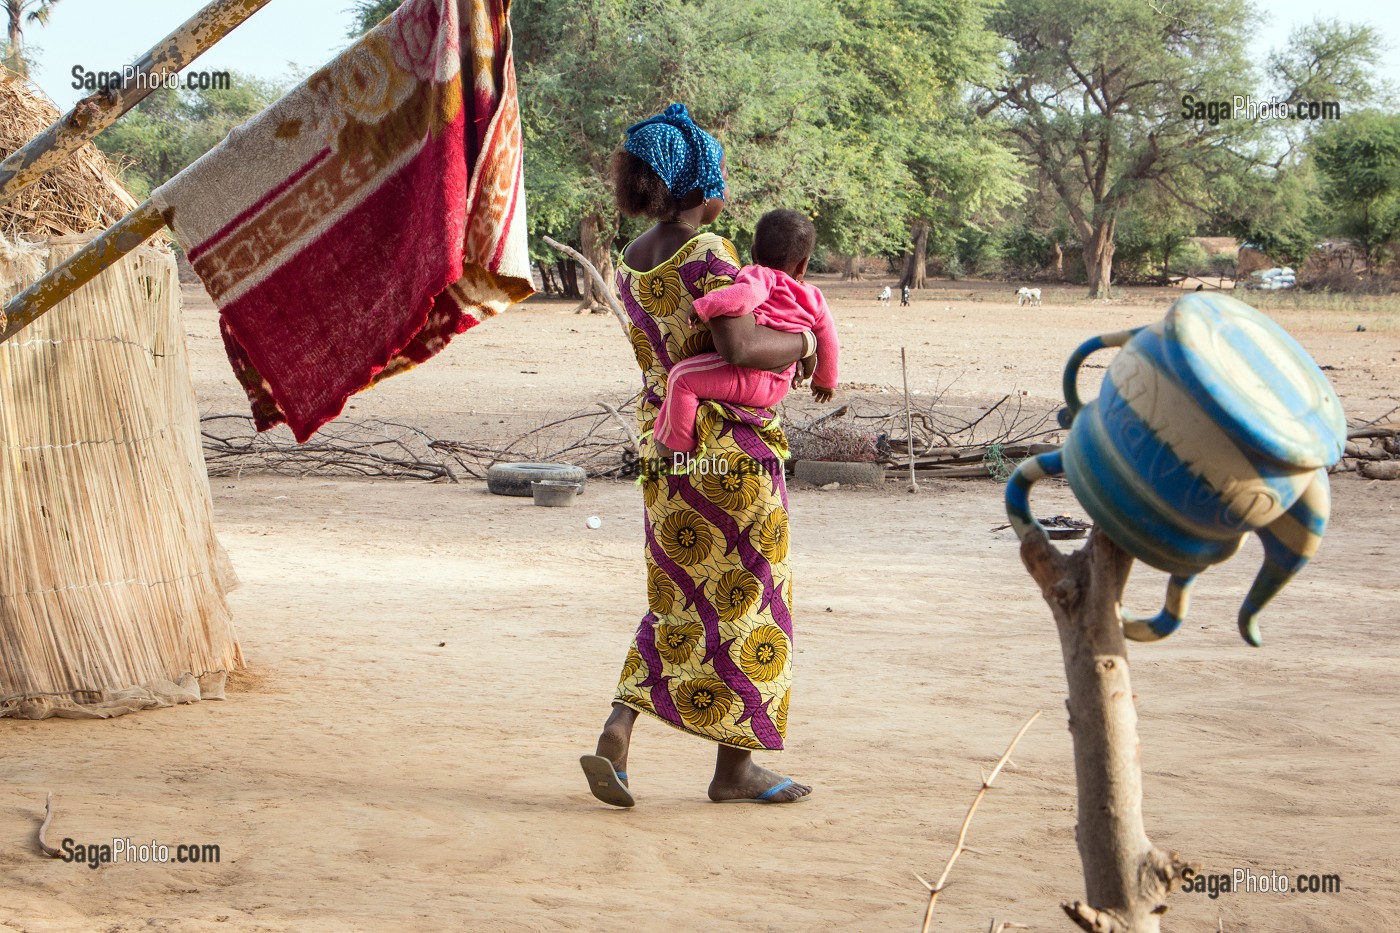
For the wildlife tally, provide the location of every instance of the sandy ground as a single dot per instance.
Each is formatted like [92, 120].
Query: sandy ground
[429, 661]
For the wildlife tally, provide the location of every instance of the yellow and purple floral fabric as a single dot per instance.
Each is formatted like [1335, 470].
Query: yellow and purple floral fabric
[713, 655]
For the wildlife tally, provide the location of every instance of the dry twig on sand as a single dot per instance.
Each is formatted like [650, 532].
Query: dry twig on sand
[960, 847]
[44, 847]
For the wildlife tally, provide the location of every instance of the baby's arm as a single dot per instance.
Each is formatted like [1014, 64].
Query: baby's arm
[828, 350]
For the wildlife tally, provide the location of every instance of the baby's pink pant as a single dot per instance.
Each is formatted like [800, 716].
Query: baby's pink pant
[708, 376]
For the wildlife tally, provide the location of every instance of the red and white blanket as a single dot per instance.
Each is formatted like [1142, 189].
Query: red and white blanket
[352, 229]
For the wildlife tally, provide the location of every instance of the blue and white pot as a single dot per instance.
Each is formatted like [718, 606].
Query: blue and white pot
[1212, 423]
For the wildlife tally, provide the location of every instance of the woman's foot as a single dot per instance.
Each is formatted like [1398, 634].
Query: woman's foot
[737, 777]
[617, 737]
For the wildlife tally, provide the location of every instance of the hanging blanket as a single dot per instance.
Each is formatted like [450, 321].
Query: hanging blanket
[351, 229]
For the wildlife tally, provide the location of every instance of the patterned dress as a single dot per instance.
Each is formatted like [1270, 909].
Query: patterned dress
[713, 655]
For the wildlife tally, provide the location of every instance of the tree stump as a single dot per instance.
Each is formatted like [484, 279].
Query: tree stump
[1126, 877]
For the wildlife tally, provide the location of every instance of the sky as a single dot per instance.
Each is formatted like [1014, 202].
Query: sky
[104, 35]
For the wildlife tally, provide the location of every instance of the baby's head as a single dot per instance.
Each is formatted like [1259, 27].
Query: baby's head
[783, 240]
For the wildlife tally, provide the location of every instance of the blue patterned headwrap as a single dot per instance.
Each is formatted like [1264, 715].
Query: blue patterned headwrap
[682, 154]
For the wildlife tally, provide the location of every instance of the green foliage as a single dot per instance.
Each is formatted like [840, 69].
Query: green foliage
[1278, 210]
[1329, 60]
[171, 128]
[366, 14]
[1024, 251]
[838, 108]
[1359, 160]
[1093, 92]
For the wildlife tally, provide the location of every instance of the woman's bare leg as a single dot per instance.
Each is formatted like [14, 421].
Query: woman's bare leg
[738, 778]
[617, 736]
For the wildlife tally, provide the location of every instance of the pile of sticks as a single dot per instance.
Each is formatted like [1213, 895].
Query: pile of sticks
[945, 444]
[1373, 448]
[373, 448]
[594, 440]
[603, 441]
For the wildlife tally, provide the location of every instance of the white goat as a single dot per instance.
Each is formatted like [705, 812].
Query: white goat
[1027, 295]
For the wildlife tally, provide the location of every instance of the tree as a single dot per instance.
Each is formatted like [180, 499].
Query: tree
[20, 11]
[171, 128]
[965, 178]
[759, 82]
[1359, 160]
[1094, 91]
[1112, 99]
[822, 105]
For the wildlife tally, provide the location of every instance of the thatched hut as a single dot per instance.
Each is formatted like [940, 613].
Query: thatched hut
[81, 194]
[112, 584]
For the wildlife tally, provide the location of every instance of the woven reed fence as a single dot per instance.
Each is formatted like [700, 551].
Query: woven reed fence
[112, 584]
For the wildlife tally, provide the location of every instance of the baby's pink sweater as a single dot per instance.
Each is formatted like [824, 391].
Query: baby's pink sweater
[779, 301]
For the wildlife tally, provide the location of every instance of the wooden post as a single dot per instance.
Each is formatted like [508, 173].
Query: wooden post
[1126, 877]
[96, 112]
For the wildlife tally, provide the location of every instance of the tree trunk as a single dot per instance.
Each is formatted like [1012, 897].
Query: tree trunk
[597, 247]
[547, 281]
[568, 278]
[1098, 258]
[12, 7]
[1126, 877]
[1057, 264]
[916, 266]
[850, 270]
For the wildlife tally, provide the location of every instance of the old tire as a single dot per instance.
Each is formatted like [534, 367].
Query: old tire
[514, 479]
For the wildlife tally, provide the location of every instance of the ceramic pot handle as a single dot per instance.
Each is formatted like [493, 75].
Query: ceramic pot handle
[1018, 491]
[1018, 510]
[1155, 628]
[1070, 381]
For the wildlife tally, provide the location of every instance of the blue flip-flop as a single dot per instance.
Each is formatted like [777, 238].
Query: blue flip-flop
[606, 782]
[768, 795]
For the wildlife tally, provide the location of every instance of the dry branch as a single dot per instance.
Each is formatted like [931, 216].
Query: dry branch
[44, 847]
[960, 846]
[233, 446]
[909, 421]
[599, 283]
[1126, 877]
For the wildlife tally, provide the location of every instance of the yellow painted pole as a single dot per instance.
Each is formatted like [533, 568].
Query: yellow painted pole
[82, 267]
[95, 113]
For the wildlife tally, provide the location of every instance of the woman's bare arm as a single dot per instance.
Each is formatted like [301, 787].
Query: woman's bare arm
[743, 342]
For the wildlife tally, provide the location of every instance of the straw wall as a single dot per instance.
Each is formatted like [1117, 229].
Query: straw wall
[112, 584]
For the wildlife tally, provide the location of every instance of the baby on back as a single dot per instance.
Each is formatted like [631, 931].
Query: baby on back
[772, 291]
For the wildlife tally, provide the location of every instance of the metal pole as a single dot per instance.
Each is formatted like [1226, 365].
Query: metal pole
[80, 268]
[95, 113]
